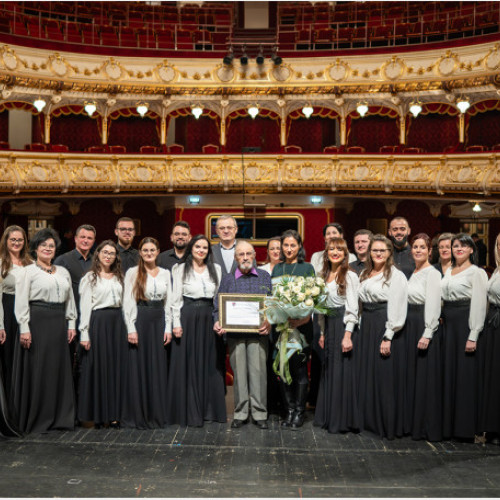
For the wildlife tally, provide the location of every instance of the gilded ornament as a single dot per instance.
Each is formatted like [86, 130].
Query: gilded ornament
[281, 73]
[224, 73]
[492, 60]
[446, 65]
[338, 71]
[393, 69]
[58, 65]
[9, 58]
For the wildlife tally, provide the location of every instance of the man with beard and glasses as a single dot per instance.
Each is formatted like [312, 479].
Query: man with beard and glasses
[399, 232]
[180, 237]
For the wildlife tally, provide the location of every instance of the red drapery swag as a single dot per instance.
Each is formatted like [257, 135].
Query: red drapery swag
[314, 133]
[261, 132]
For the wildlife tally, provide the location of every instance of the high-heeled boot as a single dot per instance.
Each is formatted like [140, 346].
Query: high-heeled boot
[289, 399]
[300, 407]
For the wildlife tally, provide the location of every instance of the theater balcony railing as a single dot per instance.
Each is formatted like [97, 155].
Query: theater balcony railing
[52, 174]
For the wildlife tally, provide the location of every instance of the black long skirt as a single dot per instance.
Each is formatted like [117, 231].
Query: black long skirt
[11, 342]
[196, 381]
[423, 395]
[145, 401]
[337, 405]
[42, 394]
[103, 368]
[460, 395]
[377, 388]
[489, 418]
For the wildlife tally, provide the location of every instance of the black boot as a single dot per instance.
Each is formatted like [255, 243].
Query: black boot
[300, 412]
[289, 401]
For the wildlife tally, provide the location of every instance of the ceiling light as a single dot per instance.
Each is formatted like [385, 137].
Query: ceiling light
[142, 108]
[415, 109]
[476, 208]
[463, 104]
[39, 104]
[307, 110]
[253, 110]
[362, 108]
[90, 108]
[196, 110]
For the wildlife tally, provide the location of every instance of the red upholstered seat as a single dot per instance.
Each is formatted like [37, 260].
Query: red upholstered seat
[355, 149]
[331, 149]
[118, 149]
[175, 148]
[97, 149]
[293, 149]
[210, 148]
[477, 148]
[36, 146]
[412, 150]
[388, 149]
[4, 145]
[62, 148]
[148, 149]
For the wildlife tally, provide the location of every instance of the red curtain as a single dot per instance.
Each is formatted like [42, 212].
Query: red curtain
[193, 134]
[373, 132]
[484, 128]
[312, 134]
[4, 126]
[78, 132]
[433, 132]
[133, 132]
[261, 132]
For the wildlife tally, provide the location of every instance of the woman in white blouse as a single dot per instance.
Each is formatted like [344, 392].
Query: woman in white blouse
[383, 293]
[196, 391]
[337, 406]
[464, 294]
[146, 307]
[444, 250]
[423, 395]
[490, 350]
[42, 386]
[103, 338]
[273, 254]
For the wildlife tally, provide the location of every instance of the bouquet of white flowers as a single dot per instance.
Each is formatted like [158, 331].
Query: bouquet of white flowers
[294, 297]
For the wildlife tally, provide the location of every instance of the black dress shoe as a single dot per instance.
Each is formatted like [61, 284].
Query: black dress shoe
[261, 424]
[114, 425]
[237, 423]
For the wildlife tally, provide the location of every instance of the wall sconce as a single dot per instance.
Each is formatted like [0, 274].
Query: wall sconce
[362, 108]
[415, 108]
[142, 108]
[307, 110]
[477, 208]
[39, 104]
[196, 110]
[253, 110]
[90, 107]
[463, 104]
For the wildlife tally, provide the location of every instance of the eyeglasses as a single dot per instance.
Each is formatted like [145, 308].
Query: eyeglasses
[47, 245]
[245, 254]
[148, 251]
[108, 254]
[375, 250]
[126, 229]
[226, 228]
[16, 240]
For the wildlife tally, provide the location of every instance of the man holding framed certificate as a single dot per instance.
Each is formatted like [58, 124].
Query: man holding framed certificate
[238, 313]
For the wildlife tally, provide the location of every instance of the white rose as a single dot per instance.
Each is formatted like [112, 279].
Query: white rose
[308, 291]
[301, 297]
[309, 302]
[319, 281]
[315, 291]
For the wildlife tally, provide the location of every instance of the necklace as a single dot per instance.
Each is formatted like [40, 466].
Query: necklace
[49, 270]
[293, 268]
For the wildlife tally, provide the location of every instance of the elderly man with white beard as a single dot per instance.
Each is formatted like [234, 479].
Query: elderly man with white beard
[247, 351]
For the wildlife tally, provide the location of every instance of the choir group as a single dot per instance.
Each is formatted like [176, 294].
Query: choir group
[124, 337]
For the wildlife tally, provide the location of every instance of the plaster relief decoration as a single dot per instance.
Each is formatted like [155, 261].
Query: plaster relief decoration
[255, 173]
[492, 60]
[112, 69]
[89, 173]
[197, 173]
[58, 64]
[306, 173]
[446, 65]
[39, 173]
[337, 71]
[360, 174]
[225, 73]
[166, 72]
[417, 173]
[142, 173]
[9, 58]
[394, 68]
[6, 175]
[462, 175]
[281, 73]
[38, 207]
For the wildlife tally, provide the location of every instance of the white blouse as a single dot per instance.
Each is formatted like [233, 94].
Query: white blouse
[33, 283]
[195, 286]
[394, 292]
[105, 293]
[494, 288]
[349, 301]
[266, 267]
[157, 288]
[317, 260]
[424, 287]
[471, 284]
[8, 286]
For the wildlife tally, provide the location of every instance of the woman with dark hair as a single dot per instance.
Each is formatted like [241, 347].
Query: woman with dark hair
[383, 293]
[337, 407]
[464, 294]
[103, 338]
[273, 254]
[196, 391]
[423, 398]
[42, 385]
[490, 350]
[444, 250]
[146, 307]
[14, 257]
[295, 394]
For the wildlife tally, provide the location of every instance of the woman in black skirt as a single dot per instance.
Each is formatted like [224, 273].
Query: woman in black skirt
[337, 405]
[103, 338]
[490, 407]
[196, 379]
[423, 395]
[42, 385]
[146, 307]
[464, 294]
[13, 257]
[383, 293]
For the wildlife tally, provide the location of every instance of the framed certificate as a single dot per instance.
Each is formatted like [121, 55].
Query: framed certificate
[241, 312]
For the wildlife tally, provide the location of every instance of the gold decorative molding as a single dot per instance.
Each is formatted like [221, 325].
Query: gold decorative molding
[429, 175]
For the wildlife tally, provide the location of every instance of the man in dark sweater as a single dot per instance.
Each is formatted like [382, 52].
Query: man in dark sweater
[399, 232]
[362, 238]
[180, 237]
[247, 351]
[125, 232]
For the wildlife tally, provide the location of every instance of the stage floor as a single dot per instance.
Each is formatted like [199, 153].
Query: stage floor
[217, 461]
